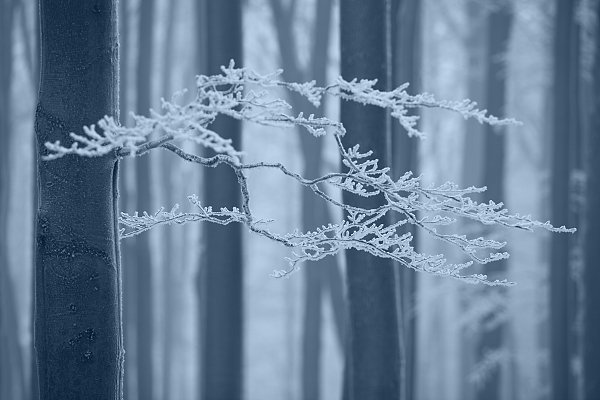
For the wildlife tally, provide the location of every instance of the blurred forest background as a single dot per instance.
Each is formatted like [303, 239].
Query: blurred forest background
[528, 59]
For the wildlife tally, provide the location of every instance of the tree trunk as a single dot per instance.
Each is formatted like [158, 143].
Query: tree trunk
[221, 282]
[575, 291]
[11, 368]
[123, 70]
[406, 48]
[492, 331]
[373, 362]
[143, 261]
[34, 392]
[472, 171]
[324, 275]
[564, 78]
[591, 322]
[170, 268]
[127, 203]
[314, 212]
[78, 335]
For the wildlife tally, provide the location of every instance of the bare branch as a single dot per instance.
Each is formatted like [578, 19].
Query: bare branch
[244, 95]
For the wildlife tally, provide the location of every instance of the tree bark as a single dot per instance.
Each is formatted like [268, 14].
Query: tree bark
[492, 332]
[373, 362]
[406, 48]
[472, 169]
[34, 393]
[78, 336]
[220, 283]
[591, 322]
[564, 79]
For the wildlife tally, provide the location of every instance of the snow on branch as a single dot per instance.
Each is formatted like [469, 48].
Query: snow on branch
[245, 95]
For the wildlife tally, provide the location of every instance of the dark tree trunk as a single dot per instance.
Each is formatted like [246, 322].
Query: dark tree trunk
[34, 393]
[575, 290]
[78, 335]
[491, 339]
[406, 48]
[499, 23]
[373, 362]
[564, 80]
[472, 168]
[221, 282]
[143, 261]
[591, 324]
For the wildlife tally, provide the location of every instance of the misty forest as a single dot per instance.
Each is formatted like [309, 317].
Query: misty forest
[299, 199]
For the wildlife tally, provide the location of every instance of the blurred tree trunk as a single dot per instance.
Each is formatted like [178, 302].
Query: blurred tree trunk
[406, 48]
[591, 322]
[12, 382]
[575, 290]
[220, 283]
[325, 274]
[78, 334]
[565, 78]
[169, 269]
[472, 171]
[127, 203]
[143, 261]
[7, 8]
[492, 326]
[12, 378]
[314, 211]
[373, 362]
[12, 371]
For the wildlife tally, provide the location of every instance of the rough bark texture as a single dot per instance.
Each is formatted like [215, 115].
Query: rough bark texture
[373, 362]
[492, 331]
[34, 392]
[221, 278]
[564, 78]
[78, 335]
[591, 325]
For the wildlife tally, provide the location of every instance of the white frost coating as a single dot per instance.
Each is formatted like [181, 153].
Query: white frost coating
[245, 95]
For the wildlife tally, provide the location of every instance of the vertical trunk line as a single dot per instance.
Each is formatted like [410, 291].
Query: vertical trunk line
[373, 362]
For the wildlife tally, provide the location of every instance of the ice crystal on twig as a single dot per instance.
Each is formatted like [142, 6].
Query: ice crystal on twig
[242, 94]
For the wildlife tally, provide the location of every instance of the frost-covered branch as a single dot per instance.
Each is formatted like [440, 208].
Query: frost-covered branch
[245, 95]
